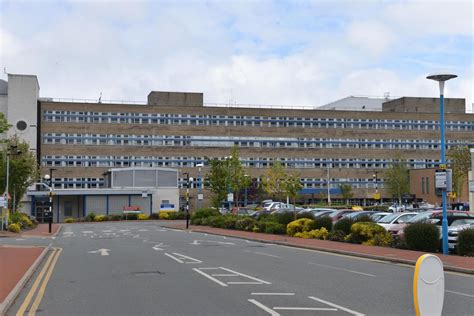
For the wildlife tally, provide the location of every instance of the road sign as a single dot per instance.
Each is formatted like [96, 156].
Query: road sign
[442, 166]
[440, 180]
[230, 197]
[200, 196]
[376, 196]
[471, 186]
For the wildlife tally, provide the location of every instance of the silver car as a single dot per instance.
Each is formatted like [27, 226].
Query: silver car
[455, 228]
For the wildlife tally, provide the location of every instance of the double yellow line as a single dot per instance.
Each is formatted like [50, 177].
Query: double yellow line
[43, 279]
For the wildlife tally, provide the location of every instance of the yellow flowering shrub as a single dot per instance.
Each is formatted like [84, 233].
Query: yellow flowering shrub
[143, 217]
[315, 233]
[368, 233]
[299, 226]
[14, 228]
[100, 218]
[70, 220]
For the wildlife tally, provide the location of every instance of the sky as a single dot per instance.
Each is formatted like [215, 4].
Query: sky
[296, 53]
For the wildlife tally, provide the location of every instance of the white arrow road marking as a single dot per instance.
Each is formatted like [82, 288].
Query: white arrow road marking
[198, 242]
[87, 232]
[103, 252]
[159, 246]
[68, 234]
[182, 258]
[350, 311]
[265, 308]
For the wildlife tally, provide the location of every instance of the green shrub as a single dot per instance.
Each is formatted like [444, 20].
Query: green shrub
[22, 219]
[422, 237]
[305, 215]
[325, 222]
[14, 228]
[284, 218]
[344, 224]
[315, 234]
[204, 213]
[70, 220]
[115, 217]
[466, 242]
[337, 235]
[274, 228]
[246, 223]
[229, 221]
[90, 217]
[299, 226]
[176, 215]
[100, 218]
[197, 221]
[214, 221]
[364, 219]
[369, 233]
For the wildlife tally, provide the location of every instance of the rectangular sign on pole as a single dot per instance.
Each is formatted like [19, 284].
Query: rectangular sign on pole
[440, 180]
[471, 186]
[230, 197]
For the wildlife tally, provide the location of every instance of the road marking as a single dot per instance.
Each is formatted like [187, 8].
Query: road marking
[243, 282]
[87, 232]
[224, 275]
[176, 230]
[103, 252]
[459, 293]
[32, 291]
[273, 294]
[143, 230]
[265, 308]
[336, 306]
[305, 309]
[244, 275]
[136, 236]
[42, 289]
[262, 253]
[173, 257]
[341, 269]
[198, 242]
[124, 230]
[186, 257]
[19, 239]
[210, 277]
[106, 231]
[159, 246]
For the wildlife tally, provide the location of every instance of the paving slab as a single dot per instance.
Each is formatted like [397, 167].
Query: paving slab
[42, 230]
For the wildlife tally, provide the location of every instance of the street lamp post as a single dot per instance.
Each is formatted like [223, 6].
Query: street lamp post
[442, 78]
[188, 183]
[329, 186]
[376, 179]
[199, 183]
[50, 212]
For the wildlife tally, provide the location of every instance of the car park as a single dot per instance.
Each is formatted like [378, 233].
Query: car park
[358, 214]
[391, 220]
[433, 217]
[338, 214]
[378, 215]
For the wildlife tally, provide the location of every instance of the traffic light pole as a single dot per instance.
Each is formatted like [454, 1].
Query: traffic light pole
[50, 221]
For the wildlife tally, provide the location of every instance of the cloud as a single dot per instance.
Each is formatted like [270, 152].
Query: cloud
[246, 52]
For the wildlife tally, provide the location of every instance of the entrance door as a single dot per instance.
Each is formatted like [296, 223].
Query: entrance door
[41, 212]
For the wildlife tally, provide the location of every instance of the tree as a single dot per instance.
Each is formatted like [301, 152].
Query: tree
[461, 164]
[292, 186]
[346, 192]
[397, 179]
[4, 126]
[273, 179]
[227, 176]
[23, 169]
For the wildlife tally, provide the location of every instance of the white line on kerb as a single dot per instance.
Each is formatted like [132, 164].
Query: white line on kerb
[335, 268]
[210, 277]
[244, 275]
[174, 258]
[273, 294]
[336, 306]
[265, 308]
[459, 293]
[305, 309]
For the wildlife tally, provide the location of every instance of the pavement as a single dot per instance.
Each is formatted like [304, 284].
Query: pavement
[144, 268]
[451, 262]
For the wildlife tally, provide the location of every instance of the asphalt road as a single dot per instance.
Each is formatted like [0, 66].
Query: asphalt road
[141, 268]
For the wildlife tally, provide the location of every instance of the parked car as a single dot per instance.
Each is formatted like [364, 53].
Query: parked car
[389, 221]
[242, 211]
[358, 214]
[258, 214]
[338, 214]
[378, 215]
[456, 227]
[434, 217]
[395, 207]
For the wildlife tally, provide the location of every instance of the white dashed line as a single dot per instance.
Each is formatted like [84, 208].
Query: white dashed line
[305, 309]
[174, 258]
[289, 294]
[244, 275]
[262, 254]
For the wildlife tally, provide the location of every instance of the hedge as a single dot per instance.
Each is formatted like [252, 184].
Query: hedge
[466, 242]
[422, 237]
[299, 226]
[368, 233]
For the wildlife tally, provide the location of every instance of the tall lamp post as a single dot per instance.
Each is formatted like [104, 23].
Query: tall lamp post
[442, 78]
[189, 180]
[329, 187]
[376, 179]
[50, 211]
[199, 183]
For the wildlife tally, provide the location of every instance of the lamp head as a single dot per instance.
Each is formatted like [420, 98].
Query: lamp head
[191, 179]
[47, 177]
[200, 165]
[441, 76]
